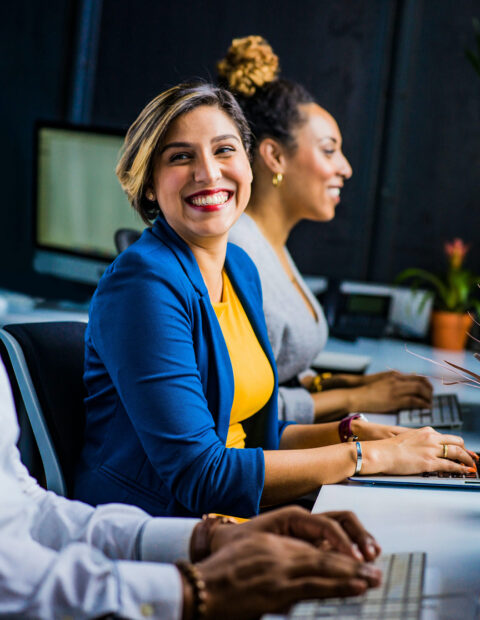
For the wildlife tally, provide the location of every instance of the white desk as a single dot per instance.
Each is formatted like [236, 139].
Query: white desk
[41, 316]
[443, 522]
[390, 354]
[20, 308]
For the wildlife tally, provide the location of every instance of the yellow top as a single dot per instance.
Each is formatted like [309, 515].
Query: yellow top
[252, 373]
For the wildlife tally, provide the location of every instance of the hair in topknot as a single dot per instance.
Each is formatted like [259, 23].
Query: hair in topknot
[270, 104]
[250, 63]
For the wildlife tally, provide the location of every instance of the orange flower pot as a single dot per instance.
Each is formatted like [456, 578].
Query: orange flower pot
[449, 330]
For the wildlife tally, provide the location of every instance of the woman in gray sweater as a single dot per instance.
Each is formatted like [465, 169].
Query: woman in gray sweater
[299, 171]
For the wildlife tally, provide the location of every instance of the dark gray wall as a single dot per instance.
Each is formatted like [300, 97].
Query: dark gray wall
[35, 54]
[393, 72]
[435, 147]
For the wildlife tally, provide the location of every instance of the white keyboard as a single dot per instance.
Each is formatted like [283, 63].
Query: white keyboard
[445, 413]
[399, 597]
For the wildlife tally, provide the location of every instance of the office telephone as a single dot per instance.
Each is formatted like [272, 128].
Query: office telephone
[355, 314]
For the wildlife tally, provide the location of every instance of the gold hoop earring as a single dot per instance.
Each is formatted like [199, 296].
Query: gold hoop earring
[277, 179]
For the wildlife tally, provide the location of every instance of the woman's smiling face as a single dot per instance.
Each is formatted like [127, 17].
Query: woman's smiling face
[202, 176]
[317, 169]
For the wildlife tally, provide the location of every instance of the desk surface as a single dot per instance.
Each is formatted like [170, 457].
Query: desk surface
[388, 354]
[443, 522]
[42, 315]
[20, 308]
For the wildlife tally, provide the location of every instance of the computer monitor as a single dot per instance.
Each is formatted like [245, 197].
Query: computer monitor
[79, 203]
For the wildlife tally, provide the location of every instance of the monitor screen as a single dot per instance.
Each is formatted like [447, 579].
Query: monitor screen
[79, 202]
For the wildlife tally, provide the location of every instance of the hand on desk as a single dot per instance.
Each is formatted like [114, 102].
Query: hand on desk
[380, 393]
[338, 531]
[268, 573]
[416, 451]
[390, 391]
[254, 571]
[345, 380]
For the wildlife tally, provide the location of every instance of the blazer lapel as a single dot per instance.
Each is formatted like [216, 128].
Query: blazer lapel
[218, 389]
[185, 257]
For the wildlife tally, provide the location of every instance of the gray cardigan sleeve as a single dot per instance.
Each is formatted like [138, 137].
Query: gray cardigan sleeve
[295, 405]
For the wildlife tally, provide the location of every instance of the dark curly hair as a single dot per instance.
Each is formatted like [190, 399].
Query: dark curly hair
[273, 110]
[270, 104]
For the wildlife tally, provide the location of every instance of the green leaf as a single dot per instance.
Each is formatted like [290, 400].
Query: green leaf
[425, 297]
[475, 62]
[425, 276]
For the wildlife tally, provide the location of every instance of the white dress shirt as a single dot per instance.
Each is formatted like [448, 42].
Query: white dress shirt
[64, 559]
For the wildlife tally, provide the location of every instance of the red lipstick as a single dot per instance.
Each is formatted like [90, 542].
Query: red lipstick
[209, 199]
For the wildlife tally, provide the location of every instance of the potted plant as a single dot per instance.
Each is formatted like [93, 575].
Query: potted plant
[455, 296]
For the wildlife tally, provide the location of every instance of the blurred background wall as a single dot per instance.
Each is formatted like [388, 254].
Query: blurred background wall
[393, 73]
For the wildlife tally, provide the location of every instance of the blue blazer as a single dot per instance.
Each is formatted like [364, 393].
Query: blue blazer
[160, 386]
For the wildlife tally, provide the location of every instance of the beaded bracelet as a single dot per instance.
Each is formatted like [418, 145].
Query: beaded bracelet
[317, 382]
[195, 579]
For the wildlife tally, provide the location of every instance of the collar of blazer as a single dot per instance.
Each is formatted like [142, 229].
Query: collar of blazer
[185, 257]
[163, 231]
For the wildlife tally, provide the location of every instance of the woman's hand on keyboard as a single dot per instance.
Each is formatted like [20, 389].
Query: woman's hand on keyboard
[338, 531]
[267, 573]
[391, 391]
[416, 451]
[345, 380]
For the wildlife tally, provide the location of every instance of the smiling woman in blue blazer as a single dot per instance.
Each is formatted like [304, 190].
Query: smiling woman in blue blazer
[181, 380]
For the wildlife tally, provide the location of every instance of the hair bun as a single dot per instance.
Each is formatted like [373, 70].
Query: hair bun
[249, 64]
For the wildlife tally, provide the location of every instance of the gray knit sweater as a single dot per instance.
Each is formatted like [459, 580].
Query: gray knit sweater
[296, 337]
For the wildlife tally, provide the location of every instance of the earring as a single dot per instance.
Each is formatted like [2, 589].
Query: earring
[150, 195]
[277, 179]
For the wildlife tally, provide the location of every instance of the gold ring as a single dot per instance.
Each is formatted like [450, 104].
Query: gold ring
[445, 450]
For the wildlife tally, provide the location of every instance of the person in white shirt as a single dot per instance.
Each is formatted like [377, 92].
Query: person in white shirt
[65, 559]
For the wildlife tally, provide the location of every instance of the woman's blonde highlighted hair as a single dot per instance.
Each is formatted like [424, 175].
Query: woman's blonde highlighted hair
[146, 135]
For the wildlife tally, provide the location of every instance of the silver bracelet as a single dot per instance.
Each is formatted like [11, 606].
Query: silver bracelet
[358, 466]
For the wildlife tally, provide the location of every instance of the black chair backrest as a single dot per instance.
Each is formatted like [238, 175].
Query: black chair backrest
[54, 353]
[124, 237]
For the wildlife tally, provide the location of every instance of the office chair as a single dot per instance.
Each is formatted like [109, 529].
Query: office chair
[124, 237]
[47, 363]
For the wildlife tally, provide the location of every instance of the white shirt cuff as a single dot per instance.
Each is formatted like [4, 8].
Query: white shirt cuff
[166, 539]
[149, 591]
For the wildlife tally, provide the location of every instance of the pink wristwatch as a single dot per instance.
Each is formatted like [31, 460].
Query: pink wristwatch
[345, 427]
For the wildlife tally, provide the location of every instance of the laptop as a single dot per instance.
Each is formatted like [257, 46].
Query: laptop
[470, 431]
[432, 479]
[429, 479]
